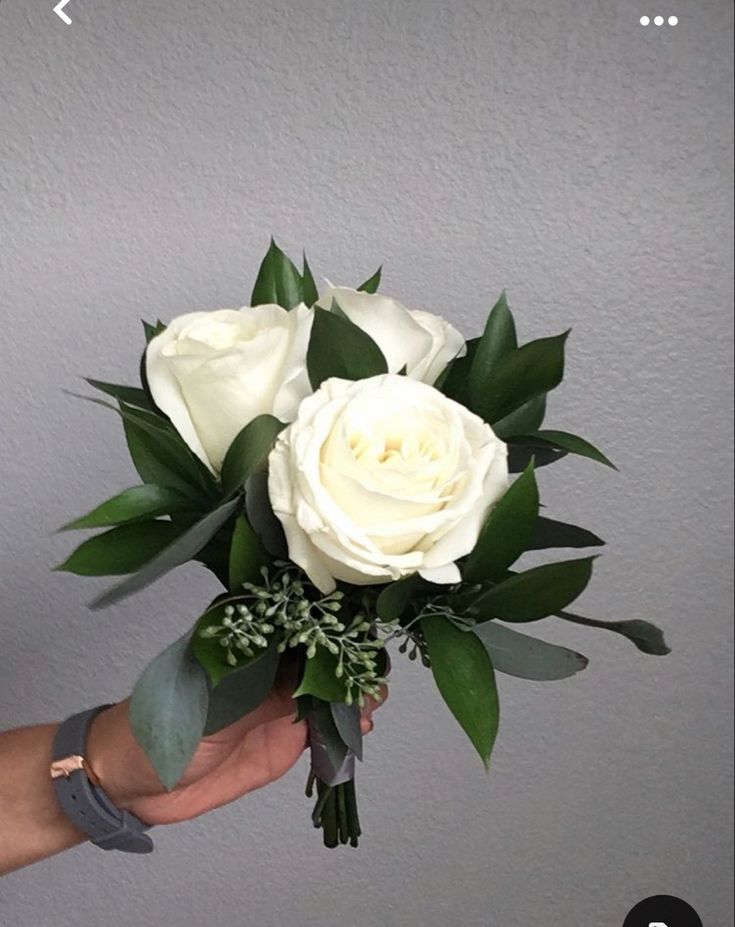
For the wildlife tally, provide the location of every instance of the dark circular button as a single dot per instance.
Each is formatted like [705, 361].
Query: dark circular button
[663, 911]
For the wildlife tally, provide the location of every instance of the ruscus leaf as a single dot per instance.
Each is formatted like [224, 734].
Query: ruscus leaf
[339, 348]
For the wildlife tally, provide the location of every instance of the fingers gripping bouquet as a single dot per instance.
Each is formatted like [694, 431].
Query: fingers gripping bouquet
[356, 475]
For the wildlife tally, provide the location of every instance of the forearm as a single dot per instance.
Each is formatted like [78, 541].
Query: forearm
[32, 824]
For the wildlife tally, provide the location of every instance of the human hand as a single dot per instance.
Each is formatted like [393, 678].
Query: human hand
[251, 753]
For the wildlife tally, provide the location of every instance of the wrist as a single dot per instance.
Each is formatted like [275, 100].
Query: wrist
[117, 760]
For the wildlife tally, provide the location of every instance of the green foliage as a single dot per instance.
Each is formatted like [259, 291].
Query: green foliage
[280, 282]
[168, 711]
[249, 451]
[347, 721]
[527, 657]
[309, 291]
[526, 418]
[146, 501]
[372, 283]
[182, 549]
[646, 636]
[535, 593]
[498, 341]
[223, 644]
[549, 533]
[247, 556]
[464, 675]
[320, 678]
[131, 395]
[506, 532]
[519, 376]
[563, 441]
[395, 598]
[242, 691]
[121, 550]
[339, 348]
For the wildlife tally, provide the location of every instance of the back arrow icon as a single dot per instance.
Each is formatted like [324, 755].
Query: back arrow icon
[59, 10]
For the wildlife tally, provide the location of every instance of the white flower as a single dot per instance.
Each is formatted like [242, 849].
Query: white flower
[421, 342]
[381, 478]
[214, 372]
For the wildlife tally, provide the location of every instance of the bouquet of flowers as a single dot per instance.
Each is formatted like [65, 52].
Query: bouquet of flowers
[342, 464]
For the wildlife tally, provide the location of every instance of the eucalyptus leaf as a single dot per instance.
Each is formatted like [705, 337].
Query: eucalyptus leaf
[242, 691]
[497, 341]
[121, 550]
[146, 501]
[464, 676]
[563, 441]
[249, 451]
[182, 549]
[535, 593]
[339, 348]
[506, 532]
[278, 280]
[527, 657]
[519, 376]
[168, 711]
[646, 636]
[549, 533]
[372, 283]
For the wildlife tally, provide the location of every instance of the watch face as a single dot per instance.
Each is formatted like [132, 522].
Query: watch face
[663, 911]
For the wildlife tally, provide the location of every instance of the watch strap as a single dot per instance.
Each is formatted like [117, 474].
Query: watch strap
[86, 803]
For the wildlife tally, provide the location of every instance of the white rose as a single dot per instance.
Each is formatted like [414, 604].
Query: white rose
[421, 342]
[384, 477]
[214, 372]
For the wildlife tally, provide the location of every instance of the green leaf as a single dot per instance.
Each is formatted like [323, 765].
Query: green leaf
[519, 456]
[247, 556]
[262, 518]
[527, 657]
[506, 532]
[181, 550]
[549, 533]
[147, 501]
[535, 593]
[497, 341]
[132, 395]
[309, 291]
[339, 348]
[563, 441]
[121, 550]
[319, 678]
[453, 381]
[278, 280]
[242, 691]
[249, 451]
[519, 376]
[347, 721]
[527, 417]
[152, 330]
[168, 710]
[395, 598]
[464, 675]
[372, 283]
[646, 636]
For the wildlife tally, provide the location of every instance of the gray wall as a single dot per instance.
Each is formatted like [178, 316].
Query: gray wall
[560, 150]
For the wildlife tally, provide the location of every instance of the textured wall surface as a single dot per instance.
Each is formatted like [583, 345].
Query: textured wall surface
[558, 149]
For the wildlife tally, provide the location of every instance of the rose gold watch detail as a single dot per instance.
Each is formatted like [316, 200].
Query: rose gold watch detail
[69, 764]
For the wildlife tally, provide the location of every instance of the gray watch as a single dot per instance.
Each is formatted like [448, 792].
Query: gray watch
[82, 797]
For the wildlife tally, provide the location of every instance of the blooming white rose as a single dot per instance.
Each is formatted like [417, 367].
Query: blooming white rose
[380, 478]
[421, 342]
[214, 372]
